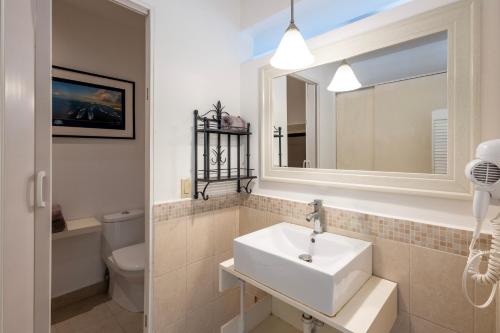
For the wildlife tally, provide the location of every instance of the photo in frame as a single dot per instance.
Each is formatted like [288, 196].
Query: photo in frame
[87, 105]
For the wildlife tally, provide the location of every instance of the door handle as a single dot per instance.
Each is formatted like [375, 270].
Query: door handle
[40, 177]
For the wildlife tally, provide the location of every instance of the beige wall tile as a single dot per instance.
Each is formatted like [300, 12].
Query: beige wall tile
[391, 261]
[352, 234]
[170, 245]
[302, 221]
[178, 327]
[200, 236]
[249, 300]
[226, 308]
[254, 294]
[218, 259]
[402, 324]
[170, 298]
[226, 229]
[272, 218]
[484, 319]
[419, 325]
[441, 238]
[251, 220]
[201, 320]
[200, 283]
[436, 293]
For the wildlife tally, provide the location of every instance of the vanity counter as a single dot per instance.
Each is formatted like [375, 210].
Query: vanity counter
[373, 309]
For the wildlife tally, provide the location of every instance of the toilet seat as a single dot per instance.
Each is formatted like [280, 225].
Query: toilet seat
[130, 258]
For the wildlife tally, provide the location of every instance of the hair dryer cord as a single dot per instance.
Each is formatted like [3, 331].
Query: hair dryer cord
[492, 274]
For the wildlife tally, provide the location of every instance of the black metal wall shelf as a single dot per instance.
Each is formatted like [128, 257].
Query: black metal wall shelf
[211, 123]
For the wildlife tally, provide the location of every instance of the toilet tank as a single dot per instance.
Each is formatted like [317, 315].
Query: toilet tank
[122, 229]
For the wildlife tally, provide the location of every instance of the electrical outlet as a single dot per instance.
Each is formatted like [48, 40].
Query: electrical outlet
[186, 188]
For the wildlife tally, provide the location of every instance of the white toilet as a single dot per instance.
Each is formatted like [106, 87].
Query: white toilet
[124, 254]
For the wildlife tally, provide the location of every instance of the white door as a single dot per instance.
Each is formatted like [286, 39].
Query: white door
[25, 125]
[18, 166]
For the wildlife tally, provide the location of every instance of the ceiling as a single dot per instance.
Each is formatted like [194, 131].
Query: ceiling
[265, 23]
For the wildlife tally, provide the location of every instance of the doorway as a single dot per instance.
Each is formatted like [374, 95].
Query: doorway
[302, 121]
[90, 176]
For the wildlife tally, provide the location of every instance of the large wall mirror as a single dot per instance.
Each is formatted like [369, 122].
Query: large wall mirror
[408, 127]
[396, 121]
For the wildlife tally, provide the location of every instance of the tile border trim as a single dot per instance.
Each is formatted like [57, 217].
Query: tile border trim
[431, 236]
[187, 207]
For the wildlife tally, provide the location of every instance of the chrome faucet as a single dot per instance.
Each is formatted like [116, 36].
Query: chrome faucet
[315, 216]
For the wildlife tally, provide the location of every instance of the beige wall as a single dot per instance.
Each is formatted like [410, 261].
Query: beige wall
[429, 281]
[92, 177]
[186, 255]
[389, 127]
[403, 123]
[490, 70]
[355, 130]
[189, 247]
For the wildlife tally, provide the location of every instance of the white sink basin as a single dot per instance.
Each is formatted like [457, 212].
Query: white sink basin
[339, 267]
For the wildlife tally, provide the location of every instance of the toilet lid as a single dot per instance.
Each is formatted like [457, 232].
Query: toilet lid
[130, 258]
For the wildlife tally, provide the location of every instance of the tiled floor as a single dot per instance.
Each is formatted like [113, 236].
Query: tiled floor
[97, 314]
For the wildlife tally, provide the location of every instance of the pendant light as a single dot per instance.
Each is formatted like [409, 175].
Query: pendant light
[344, 79]
[292, 52]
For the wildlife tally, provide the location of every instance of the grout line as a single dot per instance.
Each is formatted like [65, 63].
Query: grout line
[410, 256]
[436, 324]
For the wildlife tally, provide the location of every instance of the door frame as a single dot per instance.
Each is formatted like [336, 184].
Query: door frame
[149, 12]
[43, 154]
[2, 122]
[43, 165]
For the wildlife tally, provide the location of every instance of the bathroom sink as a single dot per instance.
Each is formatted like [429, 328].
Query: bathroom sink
[278, 257]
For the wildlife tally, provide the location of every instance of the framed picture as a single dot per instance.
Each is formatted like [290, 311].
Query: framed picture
[87, 105]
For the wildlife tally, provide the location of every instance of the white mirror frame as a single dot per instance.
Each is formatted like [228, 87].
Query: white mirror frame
[461, 21]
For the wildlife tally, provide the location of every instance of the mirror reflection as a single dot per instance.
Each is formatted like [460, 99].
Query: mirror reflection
[381, 111]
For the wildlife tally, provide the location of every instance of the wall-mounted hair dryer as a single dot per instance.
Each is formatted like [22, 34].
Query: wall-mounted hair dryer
[484, 173]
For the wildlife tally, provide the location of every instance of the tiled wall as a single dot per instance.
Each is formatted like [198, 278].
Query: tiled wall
[187, 252]
[192, 237]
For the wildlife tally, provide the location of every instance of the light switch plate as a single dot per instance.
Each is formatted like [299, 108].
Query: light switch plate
[185, 188]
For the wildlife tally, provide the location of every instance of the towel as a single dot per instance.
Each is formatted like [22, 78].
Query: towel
[234, 123]
[58, 222]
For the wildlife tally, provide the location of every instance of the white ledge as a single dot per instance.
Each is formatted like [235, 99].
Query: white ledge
[78, 227]
[373, 309]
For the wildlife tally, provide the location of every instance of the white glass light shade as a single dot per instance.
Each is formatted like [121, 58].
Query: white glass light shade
[292, 52]
[344, 80]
